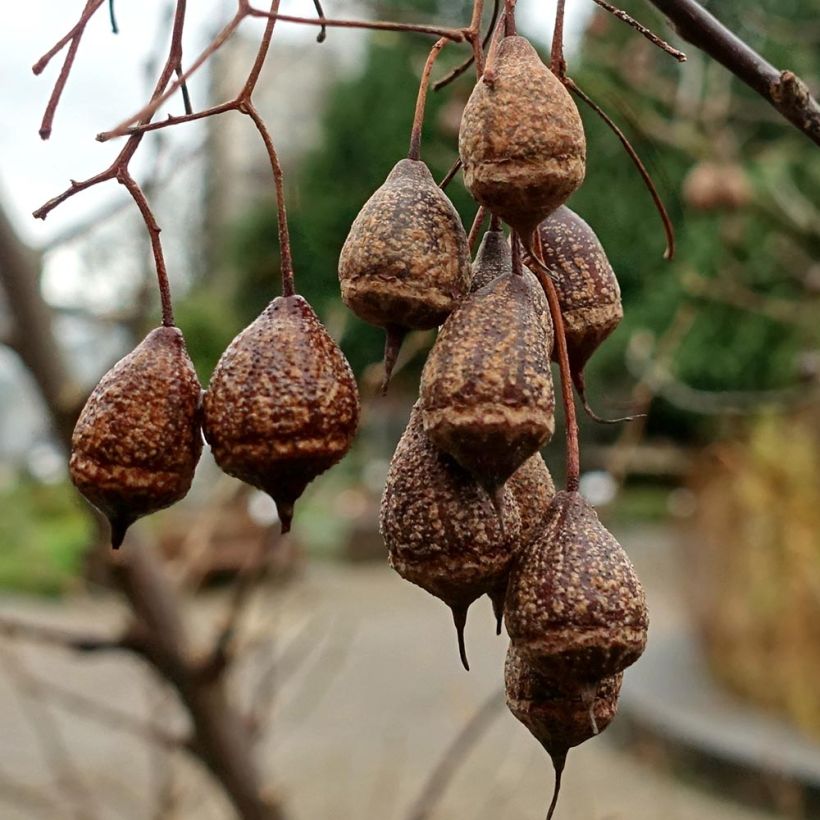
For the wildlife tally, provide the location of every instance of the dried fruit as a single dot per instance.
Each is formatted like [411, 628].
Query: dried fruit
[533, 490]
[491, 261]
[282, 405]
[440, 528]
[405, 263]
[575, 608]
[521, 139]
[559, 718]
[486, 389]
[587, 288]
[137, 441]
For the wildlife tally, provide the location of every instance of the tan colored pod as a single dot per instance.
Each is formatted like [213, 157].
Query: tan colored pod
[486, 389]
[440, 528]
[491, 261]
[405, 263]
[575, 608]
[559, 718]
[138, 440]
[533, 490]
[521, 139]
[587, 288]
[282, 405]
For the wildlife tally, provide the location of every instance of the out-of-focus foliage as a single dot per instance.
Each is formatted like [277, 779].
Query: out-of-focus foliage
[755, 565]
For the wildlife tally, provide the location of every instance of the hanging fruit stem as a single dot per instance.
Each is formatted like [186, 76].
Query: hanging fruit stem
[509, 18]
[573, 450]
[558, 64]
[421, 100]
[475, 230]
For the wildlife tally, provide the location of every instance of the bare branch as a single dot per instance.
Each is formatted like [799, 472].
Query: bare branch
[782, 89]
[642, 29]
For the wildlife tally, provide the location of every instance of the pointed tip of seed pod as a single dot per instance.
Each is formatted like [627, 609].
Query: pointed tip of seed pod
[285, 512]
[559, 758]
[394, 336]
[460, 620]
[580, 387]
[119, 526]
[497, 597]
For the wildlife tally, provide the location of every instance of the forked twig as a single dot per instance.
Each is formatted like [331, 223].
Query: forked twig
[642, 29]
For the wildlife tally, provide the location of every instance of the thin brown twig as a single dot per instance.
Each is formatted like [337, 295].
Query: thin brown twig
[450, 175]
[421, 100]
[571, 421]
[642, 29]
[558, 65]
[475, 230]
[460, 69]
[322, 35]
[668, 229]
[72, 39]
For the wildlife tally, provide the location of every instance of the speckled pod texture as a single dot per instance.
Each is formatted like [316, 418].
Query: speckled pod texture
[486, 389]
[575, 608]
[137, 441]
[521, 139]
[282, 406]
[493, 259]
[405, 261]
[587, 288]
[558, 718]
[440, 528]
[533, 490]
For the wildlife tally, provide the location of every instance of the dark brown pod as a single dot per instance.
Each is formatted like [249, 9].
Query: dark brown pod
[588, 291]
[491, 261]
[405, 263]
[486, 389]
[533, 490]
[559, 718]
[138, 440]
[440, 528]
[521, 139]
[282, 405]
[575, 608]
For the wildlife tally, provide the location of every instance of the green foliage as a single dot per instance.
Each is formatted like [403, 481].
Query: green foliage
[44, 532]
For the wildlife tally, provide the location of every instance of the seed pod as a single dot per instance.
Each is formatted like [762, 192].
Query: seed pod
[137, 441]
[486, 389]
[575, 608]
[559, 718]
[441, 531]
[533, 490]
[587, 288]
[282, 405]
[521, 139]
[492, 260]
[405, 263]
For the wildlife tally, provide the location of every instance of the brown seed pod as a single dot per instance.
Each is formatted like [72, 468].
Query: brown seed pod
[486, 389]
[405, 263]
[282, 405]
[533, 490]
[559, 718]
[521, 139]
[138, 440]
[587, 288]
[575, 608]
[491, 261]
[441, 531]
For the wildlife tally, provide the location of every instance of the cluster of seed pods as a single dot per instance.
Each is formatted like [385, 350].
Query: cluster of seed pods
[469, 507]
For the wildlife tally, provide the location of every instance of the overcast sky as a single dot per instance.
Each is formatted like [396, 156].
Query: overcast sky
[107, 84]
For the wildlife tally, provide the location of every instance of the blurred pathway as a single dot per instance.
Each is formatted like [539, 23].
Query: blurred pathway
[371, 695]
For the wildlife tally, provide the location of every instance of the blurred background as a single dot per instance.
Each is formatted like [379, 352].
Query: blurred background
[344, 680]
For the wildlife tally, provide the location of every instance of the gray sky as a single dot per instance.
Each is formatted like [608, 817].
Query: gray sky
[107, 84]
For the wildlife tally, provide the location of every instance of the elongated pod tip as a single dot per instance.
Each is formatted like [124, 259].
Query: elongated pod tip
[119, 526]
[460, 620]
[497, 597]
[559, 759]
[394, 336]
[285, 512]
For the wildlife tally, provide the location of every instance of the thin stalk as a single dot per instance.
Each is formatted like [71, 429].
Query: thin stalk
[421, 100]
[558, 65]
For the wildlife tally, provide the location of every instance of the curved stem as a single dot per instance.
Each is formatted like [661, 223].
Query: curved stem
[460, 69]
[573, 449]
[421, 100]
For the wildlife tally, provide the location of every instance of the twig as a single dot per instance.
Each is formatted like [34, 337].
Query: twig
[322, 35]
[460, 69]
[450, 175]
[421, 99]
[475, 230]
[454, 756]
[570, 419]
[642, 29]
[112, 18]
[558, 65]
[73, 38]
[782, 89]
[668, 229]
